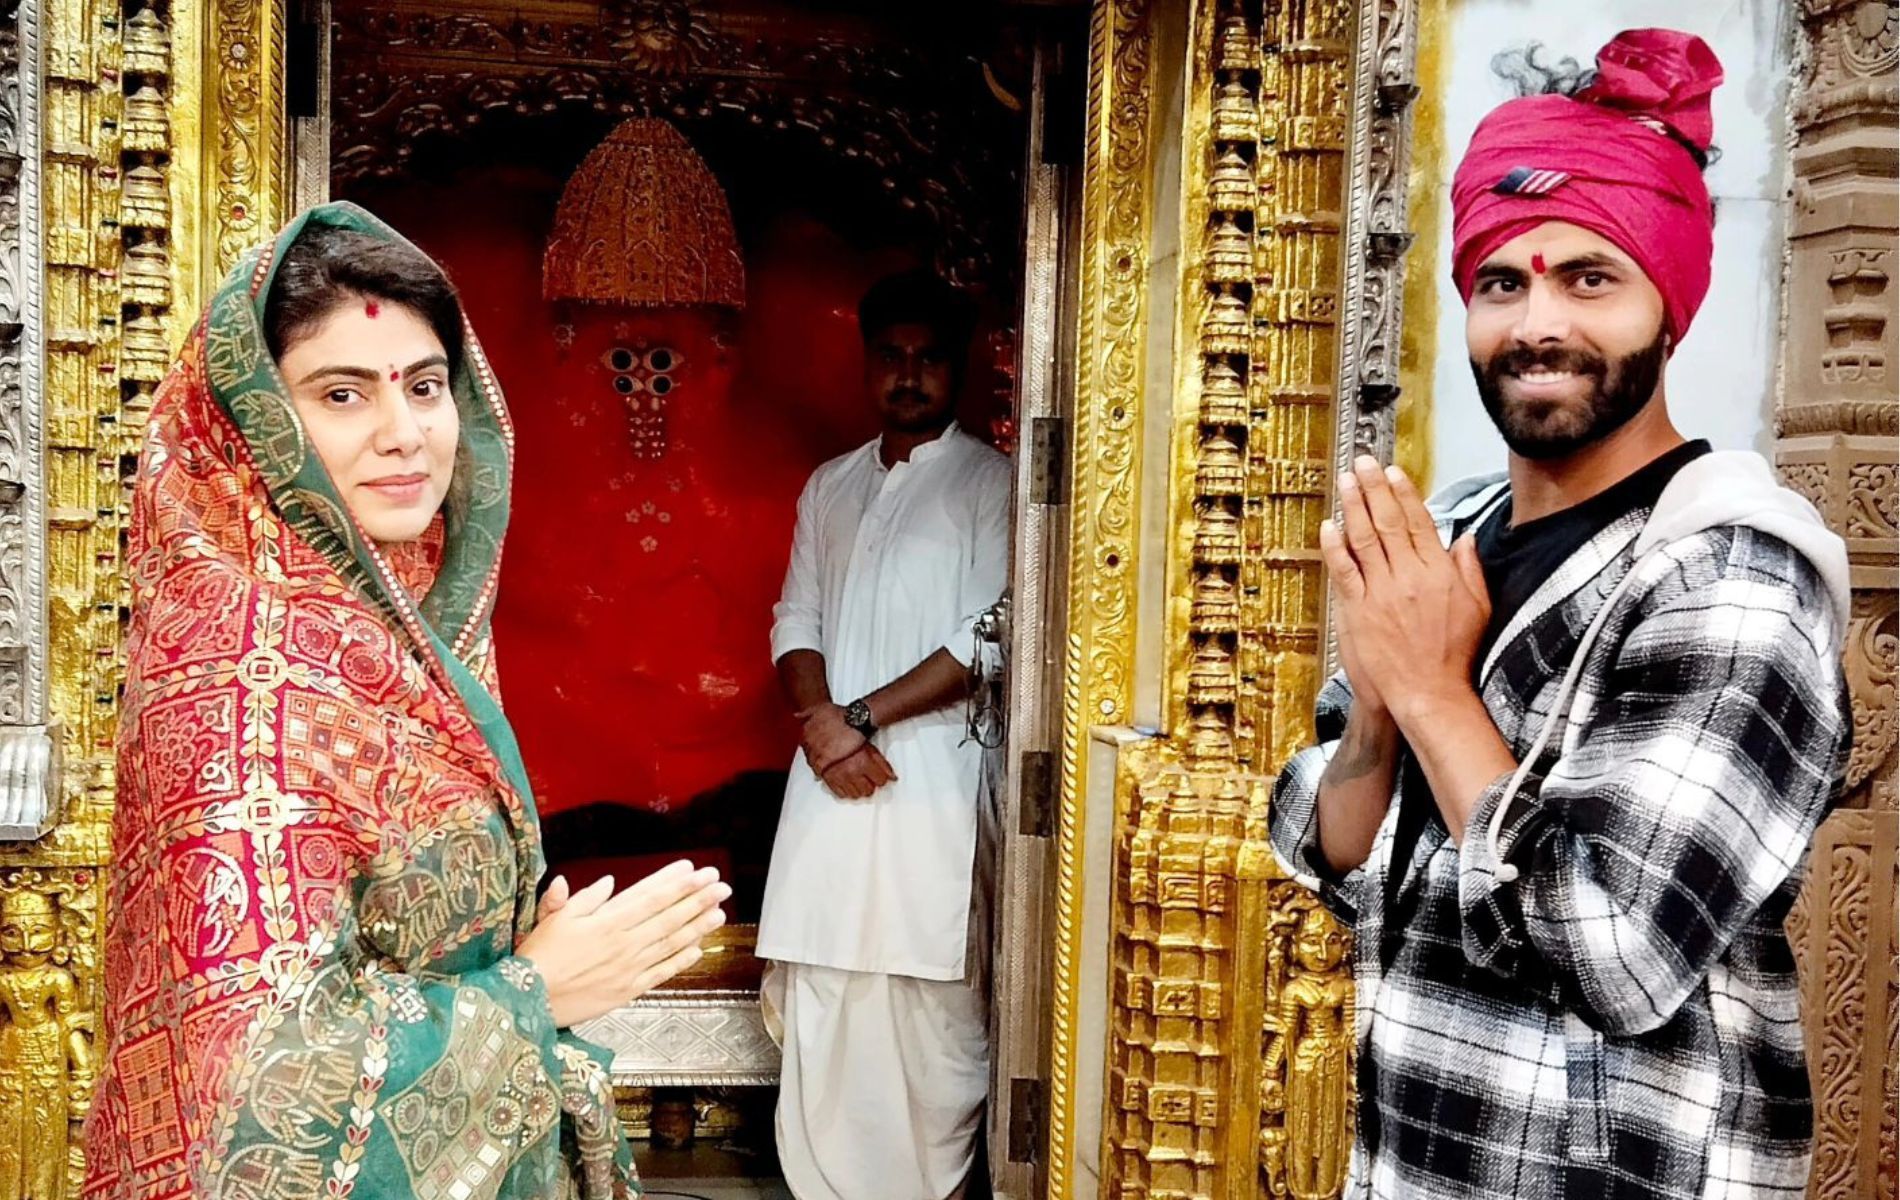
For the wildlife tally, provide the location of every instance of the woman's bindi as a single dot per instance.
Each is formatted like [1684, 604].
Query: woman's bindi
[371, 308]
[1537, 266]
[395, 376]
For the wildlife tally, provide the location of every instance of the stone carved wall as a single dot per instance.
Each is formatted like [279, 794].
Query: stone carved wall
[1836, 423]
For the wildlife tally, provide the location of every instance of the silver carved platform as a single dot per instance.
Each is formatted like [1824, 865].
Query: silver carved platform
[29, 773]
[688, 1039]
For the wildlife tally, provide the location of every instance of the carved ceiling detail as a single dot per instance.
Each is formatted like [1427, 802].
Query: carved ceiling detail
[915, 127]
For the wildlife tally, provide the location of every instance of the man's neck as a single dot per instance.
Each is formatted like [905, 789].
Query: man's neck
[897, 444]
[1540, 487]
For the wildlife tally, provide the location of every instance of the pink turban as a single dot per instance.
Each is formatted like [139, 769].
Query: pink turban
[1613, 160]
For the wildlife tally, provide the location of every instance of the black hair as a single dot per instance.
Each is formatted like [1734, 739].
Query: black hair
[917, 297]
[1529, 73]
[327, 267]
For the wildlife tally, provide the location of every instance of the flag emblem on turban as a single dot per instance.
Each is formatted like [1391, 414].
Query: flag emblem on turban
[1531, 181]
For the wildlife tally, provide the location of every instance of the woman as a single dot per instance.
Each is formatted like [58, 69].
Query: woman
[324, 975]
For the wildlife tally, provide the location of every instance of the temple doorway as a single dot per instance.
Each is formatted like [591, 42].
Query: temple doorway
[669, 404]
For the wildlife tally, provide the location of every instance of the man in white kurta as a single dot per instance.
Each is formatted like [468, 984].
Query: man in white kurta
[900, 545]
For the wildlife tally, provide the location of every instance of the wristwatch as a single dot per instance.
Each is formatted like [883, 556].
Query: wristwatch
[857, 714]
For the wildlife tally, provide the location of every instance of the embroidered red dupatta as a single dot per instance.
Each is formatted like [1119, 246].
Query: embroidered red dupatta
[325, 846]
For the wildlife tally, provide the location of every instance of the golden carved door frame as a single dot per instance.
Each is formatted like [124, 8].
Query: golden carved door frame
[1242, 238]
[141, 149]
[1222, 316]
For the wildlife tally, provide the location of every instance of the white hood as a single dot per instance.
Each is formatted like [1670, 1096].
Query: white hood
[1736, 487]
[1726, 487]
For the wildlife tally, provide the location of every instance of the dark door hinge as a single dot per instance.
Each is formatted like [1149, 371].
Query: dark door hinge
[1048, 459]
[1036, 789]
[1028, 1119]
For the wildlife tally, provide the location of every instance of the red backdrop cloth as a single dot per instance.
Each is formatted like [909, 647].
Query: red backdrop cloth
[636, 595]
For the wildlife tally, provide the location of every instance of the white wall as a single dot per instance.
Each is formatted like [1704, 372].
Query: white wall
[1721, 380]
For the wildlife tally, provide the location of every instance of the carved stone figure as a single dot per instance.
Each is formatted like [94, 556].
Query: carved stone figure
[45, 1040]
[1314, 1048]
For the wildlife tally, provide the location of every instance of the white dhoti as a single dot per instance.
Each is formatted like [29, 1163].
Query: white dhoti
[882, 1085]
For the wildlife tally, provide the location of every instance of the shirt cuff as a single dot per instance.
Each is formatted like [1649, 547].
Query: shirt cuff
[789, 637]
[1490, 904]
[1524, 813]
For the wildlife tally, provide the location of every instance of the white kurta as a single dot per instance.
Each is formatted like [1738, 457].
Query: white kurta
[887, 567]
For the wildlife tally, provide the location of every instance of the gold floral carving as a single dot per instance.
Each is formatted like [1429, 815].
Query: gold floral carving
[1099, 655]
[247, 152]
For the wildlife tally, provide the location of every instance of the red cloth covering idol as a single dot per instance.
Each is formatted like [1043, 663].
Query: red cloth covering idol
[1623, 159]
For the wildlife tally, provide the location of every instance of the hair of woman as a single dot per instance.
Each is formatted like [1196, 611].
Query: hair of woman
[327, 267]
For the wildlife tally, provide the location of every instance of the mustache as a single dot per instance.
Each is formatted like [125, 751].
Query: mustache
[1520, 359]
[903, 393]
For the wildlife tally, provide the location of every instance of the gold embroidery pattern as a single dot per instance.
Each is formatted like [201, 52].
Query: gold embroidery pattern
[487, 1094]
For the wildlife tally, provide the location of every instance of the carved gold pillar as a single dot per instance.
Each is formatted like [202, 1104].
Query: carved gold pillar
[1836, 423]
[112, 266]
[1229, 1021]
[245, 156]
[1104, 542]
[60, 583]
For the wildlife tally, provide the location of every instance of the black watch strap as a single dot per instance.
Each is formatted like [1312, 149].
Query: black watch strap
[857, 714]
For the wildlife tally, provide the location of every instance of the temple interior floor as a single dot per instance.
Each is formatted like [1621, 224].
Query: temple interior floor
[705, 1172]
[709, 1171]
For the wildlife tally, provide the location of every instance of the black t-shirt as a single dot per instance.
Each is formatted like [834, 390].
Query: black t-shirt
[1517, 560]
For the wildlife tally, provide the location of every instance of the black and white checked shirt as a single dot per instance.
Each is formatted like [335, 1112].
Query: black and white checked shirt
[1623, 1018]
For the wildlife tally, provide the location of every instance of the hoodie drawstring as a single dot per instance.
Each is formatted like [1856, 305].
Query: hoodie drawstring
[1559, 714]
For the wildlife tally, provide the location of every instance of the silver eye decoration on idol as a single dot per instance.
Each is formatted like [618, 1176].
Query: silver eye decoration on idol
[644, 377]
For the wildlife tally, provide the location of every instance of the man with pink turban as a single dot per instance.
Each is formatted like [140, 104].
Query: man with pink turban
[1591, 708]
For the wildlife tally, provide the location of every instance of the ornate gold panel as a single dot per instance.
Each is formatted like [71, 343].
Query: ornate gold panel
[118, 117]
[1230, 1031]
[49, 985]
[246, 151]
[1098, 661]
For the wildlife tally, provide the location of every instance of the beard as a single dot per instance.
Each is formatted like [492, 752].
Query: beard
[1545, 429]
